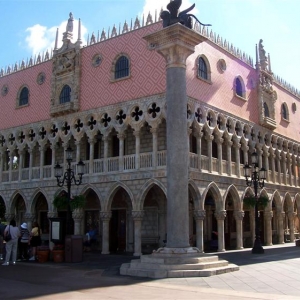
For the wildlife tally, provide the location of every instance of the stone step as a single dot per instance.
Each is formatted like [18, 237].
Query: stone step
[178, 260]
[136, 264]
[126, 269]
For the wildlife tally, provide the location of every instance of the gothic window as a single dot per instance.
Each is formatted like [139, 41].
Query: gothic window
[203, 68]
[266, 110]
[284, 112]
[65, 95]
[239, 87]
[122, 67]
[24, 96]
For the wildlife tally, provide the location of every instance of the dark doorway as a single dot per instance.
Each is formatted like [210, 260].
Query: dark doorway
[117, 231]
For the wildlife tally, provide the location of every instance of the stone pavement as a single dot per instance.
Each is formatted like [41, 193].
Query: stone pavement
[273, 275]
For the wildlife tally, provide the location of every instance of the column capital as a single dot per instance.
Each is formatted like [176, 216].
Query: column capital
[239, 215]
[137, 215]
[29, 217]
[51, 214]
[220, 215]
[268, 215]
[9, 217]
[291, 215]
[78, 214]
[175, 43]
[105, 215]
[199, 214]
[121, 136]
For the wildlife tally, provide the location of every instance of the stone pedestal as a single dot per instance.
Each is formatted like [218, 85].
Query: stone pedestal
[175, 43]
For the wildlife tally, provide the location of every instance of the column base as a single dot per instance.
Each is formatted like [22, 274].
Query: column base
[137, 254]
[177, 262]
[105, 252]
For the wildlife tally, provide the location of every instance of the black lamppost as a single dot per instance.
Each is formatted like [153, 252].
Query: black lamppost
[69, 178]
[257, 177]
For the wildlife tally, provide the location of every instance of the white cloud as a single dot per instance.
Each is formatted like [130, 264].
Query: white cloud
[39, 38]
[152, 5]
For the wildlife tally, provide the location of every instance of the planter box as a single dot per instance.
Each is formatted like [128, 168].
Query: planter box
[58, 256]
[42, 255]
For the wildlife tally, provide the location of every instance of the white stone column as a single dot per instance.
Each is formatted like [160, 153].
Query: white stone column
[199, 216]
[239, 215]
[11, 161]
[53, 162]
[209, 139]
[273, 157]
[91, 161]
[220, 216]
[229, 164]
[268, 215]
[137, 219]
[121, 137]
[237, 159]
[154, 151]
[294, 170]
[1, 163]
[219, 142]
[279, 168]
[289, 165]
[291, 216]
[266, 163]
[29, 219]
[245, 153]
[42, 161]
[105, 217]
[199, 135]
[78, 215]
[21, 159]
[176, 43]
[78, 158]
[280, 218]
[283, 158]
[136, 133]
[30, 162]
[105, 154]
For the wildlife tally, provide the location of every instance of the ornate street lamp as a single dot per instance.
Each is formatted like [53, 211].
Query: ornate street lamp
[69, 178]
[257, 178]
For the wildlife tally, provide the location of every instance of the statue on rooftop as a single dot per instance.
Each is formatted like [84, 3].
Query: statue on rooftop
[172, 16]
[70, 23]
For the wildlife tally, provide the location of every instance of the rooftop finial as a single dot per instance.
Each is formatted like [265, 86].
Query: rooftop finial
[70, 23]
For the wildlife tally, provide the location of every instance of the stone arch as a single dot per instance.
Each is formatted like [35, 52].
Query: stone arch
[93, 188]
[34, 198]
[277, 200]
[194, 190]
[113, 190]
[214, 189]
[236, 197]
[146, 188]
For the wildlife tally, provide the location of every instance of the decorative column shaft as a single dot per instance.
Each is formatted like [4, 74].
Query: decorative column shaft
[237, 160]
[199, 216]
[30, 162]
[53, 162]
[21, 156]
[121, 138]
[220, 160]
[105, 217]
[137, 149]
[42, 160]
[209, 139]
[268, 215]
[280, 219]
[175, 43]
[78, 215]
[239, 215]
[220, 216]
[291, 216]
[154, 150]
[137, 219]
[91, 161]
[229, 164]
[105, 154]
[1, 164]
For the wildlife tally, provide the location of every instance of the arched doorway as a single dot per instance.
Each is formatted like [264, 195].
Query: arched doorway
[20, 209]
[41, 215]
[210, 224]
[229, 224]
[120, 222]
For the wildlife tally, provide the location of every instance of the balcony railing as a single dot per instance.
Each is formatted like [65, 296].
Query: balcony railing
[146, 161]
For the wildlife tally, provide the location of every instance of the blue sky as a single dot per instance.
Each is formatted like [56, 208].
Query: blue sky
[28, 26]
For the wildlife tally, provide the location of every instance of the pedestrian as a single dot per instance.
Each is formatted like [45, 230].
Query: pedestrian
[11, 245]
[2, 228]
[35, 239]
[24, 242]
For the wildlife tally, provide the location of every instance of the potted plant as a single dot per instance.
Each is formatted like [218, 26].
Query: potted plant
[61, 201]
[42, 253]
[250, 201]
[58, 253]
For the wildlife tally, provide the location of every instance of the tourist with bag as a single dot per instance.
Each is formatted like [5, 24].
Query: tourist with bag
[11, 235]
[35, 239]
[24, 242]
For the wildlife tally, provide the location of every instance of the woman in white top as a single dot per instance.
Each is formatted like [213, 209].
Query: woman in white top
[12, 245]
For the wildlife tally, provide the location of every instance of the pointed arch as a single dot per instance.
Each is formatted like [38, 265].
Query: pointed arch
[146, 188]
[237, 203]
[193, 188]
[93, 188]
[214, 189]
[113, 190]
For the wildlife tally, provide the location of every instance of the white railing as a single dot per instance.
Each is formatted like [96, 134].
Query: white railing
[15, 175]
[194, 161]
[146, 160]
[215, 164]
[25, 174]
[98, 166]
[162, 158]
[224, 166]
[129, 162]
[36, 173]
[233, 168]
[47, 171]
[5, 176]
[204, 162]
[113, 164]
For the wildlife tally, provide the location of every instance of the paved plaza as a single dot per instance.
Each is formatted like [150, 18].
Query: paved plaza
[273, 275]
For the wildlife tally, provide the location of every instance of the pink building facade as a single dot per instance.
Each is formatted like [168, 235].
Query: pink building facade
[107, 102]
